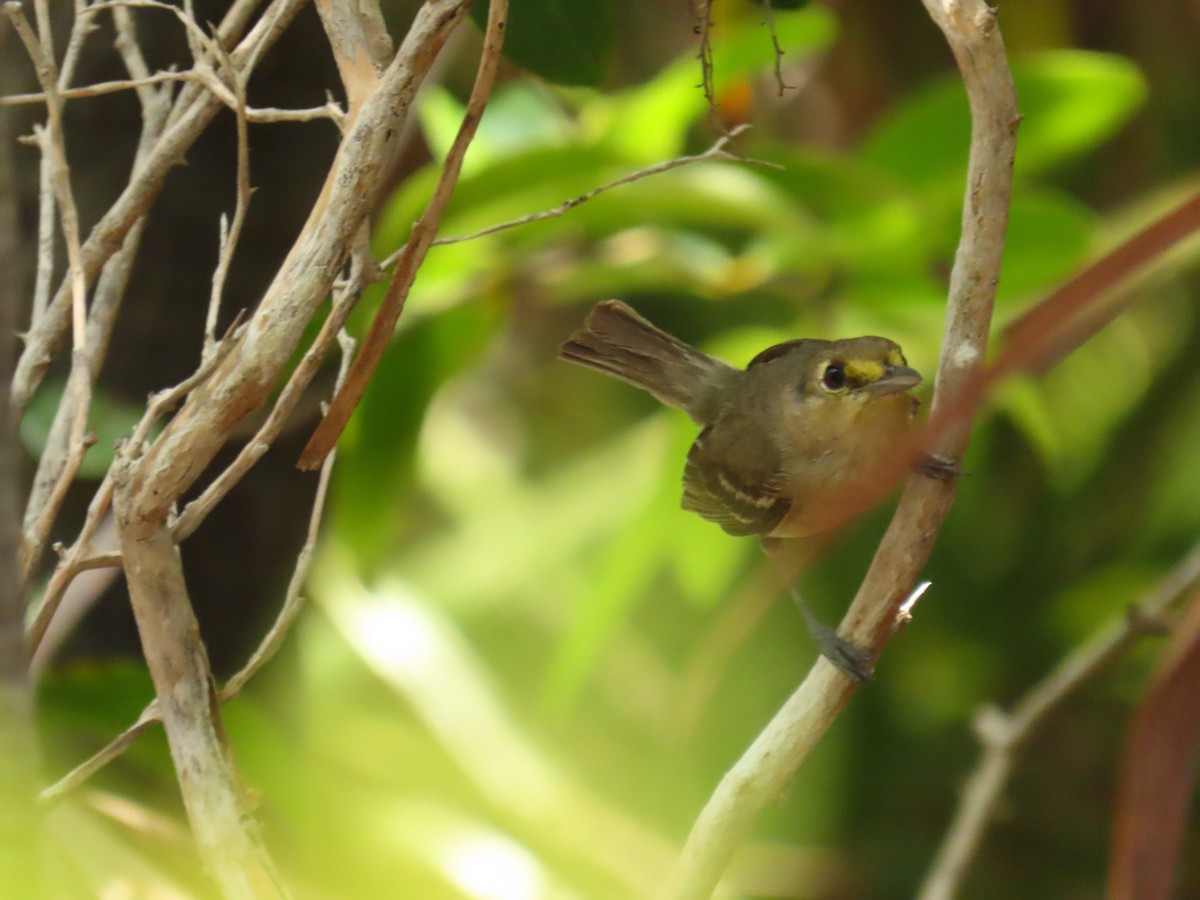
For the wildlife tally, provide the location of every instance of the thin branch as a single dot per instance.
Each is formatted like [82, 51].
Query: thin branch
[198, 509]
[292, 605]
[111, 285]
[770, 763]
[354, 183]
[54, 146]
[1003, 735]
[257, 115]
[79, 382]
[704, 53]
[294, 602]
[784, 87]
[84, 25]
[44, 272]
[230, 233]
[73, 560]
[415, 249]
[718, 151]
[189, 116]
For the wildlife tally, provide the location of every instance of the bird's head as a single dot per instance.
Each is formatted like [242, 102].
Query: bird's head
[853, 371]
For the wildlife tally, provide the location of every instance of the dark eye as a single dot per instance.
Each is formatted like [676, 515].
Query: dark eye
[834, 377]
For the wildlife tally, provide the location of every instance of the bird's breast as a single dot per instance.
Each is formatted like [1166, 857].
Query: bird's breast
[824, 467]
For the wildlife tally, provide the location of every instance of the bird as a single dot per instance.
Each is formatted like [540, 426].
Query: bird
[783, 442]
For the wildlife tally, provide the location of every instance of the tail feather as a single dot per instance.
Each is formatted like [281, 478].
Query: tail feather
[617, 341]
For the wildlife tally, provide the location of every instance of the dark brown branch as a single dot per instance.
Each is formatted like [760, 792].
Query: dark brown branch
[414, 252]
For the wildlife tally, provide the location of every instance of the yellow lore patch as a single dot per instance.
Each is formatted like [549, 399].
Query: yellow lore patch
[864, 371]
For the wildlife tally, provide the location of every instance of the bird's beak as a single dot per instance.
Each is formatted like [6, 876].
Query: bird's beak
[895, 379]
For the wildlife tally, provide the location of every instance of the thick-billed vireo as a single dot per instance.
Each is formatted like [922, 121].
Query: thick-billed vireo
[782, 441]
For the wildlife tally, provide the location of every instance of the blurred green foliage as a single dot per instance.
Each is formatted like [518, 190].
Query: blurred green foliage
[526, 667]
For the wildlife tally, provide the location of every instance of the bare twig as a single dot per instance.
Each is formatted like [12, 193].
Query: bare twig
[1003, 734]
[45, 243]
[230, 233]
[784, 87]
[294, 602]
[292, 605]
[189, 117]
[772, 760]
[73, 560]
[704, 53]
[197, 510]
[110, 287]
[257, 115]
[196, 434]
[146, 485]
[54, 146]
[415, 249]
[79, 382]
[718, 150]
[84, 25]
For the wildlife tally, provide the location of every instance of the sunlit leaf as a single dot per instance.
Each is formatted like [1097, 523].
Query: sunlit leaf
[517, 118]
[1071, 101]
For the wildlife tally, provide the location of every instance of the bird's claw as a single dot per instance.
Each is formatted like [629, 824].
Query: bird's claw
[939, 467]
[856, 662]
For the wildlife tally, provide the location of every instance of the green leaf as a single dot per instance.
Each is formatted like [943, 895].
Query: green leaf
[518, 117]
[380, 443]
[564, 41]
[1070, 101]
[867, 220]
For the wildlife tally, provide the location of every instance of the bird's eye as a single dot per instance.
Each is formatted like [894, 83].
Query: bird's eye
[834, 377]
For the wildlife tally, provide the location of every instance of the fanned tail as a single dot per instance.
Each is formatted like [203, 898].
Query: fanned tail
[617, 341]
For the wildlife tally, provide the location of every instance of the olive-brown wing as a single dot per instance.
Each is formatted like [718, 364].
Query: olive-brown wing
[736, 488]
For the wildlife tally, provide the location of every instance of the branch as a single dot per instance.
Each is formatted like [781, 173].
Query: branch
[242, 383]
[772, 760]
[52, 142]
[197, 510]
[1003, 735]
[415, 249]
[109, 291]
[217, 809]
[718, 150]
[79, 557]
[293, 603]
[230, 233]
[190, 115]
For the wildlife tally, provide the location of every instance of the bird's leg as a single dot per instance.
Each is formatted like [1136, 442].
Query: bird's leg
[857, 662]
[792, 558]
[938, 467]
